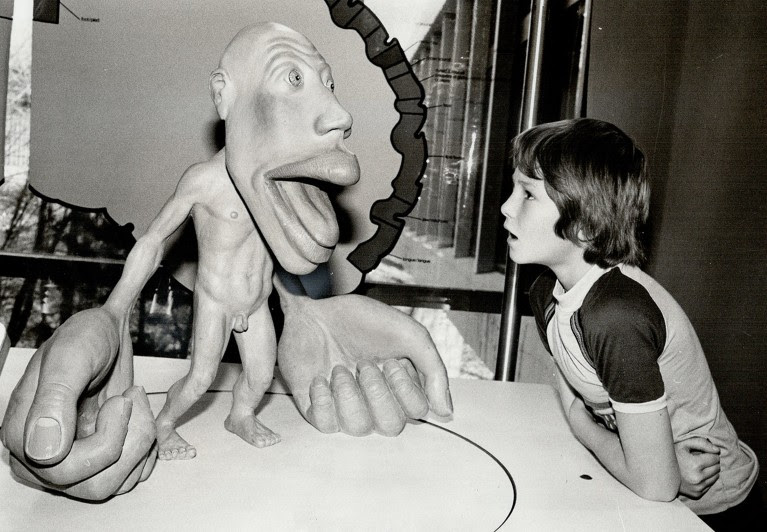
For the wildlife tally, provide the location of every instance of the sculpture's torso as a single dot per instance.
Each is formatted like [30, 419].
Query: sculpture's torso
[234, 266]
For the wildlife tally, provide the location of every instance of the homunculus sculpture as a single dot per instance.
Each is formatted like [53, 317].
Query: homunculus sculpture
[262, 217]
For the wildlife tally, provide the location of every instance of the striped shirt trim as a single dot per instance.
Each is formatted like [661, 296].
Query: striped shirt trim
[640, 408]
[577, 328]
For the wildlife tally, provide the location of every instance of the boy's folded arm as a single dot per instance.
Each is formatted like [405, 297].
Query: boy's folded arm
[642, 457]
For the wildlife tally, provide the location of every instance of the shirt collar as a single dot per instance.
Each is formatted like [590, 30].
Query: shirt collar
[571, 300]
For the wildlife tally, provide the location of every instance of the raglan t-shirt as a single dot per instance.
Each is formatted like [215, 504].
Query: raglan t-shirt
[624, 344]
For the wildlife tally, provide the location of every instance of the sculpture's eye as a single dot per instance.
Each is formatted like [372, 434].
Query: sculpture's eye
[295, 78]
[330, 84]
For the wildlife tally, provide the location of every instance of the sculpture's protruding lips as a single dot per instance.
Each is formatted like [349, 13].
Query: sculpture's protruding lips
[303, 208]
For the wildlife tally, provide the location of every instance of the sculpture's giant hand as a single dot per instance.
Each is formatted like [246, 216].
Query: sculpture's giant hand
[329, 354]
[74, 422]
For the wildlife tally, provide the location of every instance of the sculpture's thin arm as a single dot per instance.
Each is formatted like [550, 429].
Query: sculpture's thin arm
[147, 253]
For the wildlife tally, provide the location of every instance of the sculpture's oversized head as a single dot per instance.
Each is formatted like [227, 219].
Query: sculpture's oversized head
[285, 134]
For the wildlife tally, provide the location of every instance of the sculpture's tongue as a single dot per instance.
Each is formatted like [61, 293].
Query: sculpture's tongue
[313, 209]
[336, 166]
[307, 204]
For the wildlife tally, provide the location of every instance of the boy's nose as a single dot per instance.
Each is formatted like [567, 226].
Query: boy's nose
[507, 208]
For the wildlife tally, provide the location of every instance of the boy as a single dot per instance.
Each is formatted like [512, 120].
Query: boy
[633, 378]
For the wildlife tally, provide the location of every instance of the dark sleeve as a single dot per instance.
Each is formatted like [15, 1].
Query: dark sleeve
[541, 299]
[624, 333]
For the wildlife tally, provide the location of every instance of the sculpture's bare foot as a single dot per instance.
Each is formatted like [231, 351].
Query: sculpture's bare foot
[251, 430]
[171, 446]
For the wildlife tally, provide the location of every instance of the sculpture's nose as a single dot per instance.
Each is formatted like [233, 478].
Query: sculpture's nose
[334, 118]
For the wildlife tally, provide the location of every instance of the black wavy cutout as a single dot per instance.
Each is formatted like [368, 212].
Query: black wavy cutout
[406, 137]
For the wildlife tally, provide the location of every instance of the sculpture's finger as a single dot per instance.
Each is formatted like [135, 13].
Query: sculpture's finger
[12, 430]
[427, 361]
[322, 411]
[50, 425]
[127, 470]
[133, 478]
[150, 463]
[353, 415]
[79, 354]
[98, 451]
[406, 388]
[19, 469]
[99, 486]
[405, 363]
[388, 417]
[141, 427]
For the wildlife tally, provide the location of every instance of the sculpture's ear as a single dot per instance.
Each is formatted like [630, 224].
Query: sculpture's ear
[221, 91]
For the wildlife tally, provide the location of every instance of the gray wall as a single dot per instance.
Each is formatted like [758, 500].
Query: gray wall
[687, 79]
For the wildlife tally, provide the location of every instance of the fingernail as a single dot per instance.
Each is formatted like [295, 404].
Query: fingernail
[339, 371]
[366, 367]
[449, 400]
[45, 439]
[391, 365]
[363, 365]
[127, 407]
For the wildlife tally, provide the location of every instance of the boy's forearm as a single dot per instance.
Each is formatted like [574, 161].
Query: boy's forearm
[610, 451]
[605, 445]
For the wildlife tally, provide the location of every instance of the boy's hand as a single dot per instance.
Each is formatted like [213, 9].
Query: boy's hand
[698, 461]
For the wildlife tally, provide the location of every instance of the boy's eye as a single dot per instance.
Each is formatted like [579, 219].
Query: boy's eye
[295, 78]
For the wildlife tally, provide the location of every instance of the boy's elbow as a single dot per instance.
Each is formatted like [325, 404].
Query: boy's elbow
[661, 494]
[659, 489]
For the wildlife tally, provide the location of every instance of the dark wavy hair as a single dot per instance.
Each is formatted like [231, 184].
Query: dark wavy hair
[595, 174]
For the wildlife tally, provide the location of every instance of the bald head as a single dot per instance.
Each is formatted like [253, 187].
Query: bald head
[264, 43]
[285, 134]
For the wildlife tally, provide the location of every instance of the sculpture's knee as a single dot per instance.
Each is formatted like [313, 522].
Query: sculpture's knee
[258, 380]
[199, 382]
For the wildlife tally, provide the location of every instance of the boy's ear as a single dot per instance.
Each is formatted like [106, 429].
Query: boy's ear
[221, 92]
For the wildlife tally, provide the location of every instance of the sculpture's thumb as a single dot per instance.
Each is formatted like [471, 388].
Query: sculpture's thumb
[50, 426]
[78, 355]
[436, 386]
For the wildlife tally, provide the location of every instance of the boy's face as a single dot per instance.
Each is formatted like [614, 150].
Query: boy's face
[530, 217]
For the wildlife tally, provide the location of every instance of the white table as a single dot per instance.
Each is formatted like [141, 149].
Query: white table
[507, 459]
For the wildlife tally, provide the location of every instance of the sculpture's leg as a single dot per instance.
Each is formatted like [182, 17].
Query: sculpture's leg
[258, 351]
[210, 335]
